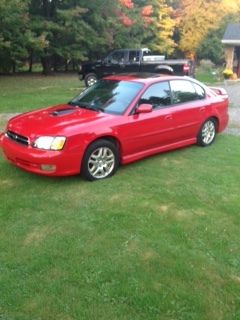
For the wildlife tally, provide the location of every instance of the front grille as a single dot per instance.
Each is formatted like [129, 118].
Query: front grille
[17, 137]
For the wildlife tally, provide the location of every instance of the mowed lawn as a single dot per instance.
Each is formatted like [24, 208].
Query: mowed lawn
[159, 240]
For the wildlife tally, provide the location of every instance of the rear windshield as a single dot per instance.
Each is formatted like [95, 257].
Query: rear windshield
[111, 96]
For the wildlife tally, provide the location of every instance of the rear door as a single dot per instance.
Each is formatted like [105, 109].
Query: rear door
[133, 61]
[179, 109]
[189, 108]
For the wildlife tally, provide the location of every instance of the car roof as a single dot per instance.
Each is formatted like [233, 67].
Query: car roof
[142, 77]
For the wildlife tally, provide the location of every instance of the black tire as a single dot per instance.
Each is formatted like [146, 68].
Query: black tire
[207, 133]
[90, 79]
[100, 160]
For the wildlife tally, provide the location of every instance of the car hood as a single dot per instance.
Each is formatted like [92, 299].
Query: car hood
[57, 120]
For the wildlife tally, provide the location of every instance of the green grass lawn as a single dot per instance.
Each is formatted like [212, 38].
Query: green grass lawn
[159, 240]
[25, 92]
[208, 76]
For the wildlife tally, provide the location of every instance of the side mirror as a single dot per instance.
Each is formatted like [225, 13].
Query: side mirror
[144, 108]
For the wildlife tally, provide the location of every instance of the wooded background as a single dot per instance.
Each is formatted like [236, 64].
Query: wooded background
[60, 34]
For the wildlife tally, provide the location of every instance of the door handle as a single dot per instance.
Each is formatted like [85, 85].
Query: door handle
[169, 117]
[202, 109]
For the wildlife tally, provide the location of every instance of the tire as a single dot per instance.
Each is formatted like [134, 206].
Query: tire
[100, 160]
[207, 133]
[90, 79]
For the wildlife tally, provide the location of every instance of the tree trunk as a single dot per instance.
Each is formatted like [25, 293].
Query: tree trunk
[46, 65]
[66, 65]
[13, 66]
[45, 8]
[30, 61]
[73, 65]
[55, 65]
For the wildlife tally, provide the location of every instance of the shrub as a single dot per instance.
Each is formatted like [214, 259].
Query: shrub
[227, 73]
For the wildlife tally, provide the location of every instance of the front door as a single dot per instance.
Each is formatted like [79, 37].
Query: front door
[150, 130]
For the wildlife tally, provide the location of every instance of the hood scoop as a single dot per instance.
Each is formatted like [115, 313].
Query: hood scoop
[62, 112]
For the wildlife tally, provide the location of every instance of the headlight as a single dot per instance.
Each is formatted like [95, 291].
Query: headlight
[49, 143]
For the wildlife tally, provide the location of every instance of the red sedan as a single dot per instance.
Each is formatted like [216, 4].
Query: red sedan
[118, 120]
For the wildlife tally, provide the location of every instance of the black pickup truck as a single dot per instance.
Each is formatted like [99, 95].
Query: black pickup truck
[133, 60]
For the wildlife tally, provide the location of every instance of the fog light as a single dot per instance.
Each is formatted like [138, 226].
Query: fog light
[48, 167]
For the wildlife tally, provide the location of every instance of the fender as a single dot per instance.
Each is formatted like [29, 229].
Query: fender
[165, 69]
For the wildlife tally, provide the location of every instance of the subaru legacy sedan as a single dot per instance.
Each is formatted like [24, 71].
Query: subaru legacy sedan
[118, 120]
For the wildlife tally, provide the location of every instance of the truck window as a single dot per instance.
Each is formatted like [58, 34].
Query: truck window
[116, 57]
[134, 56]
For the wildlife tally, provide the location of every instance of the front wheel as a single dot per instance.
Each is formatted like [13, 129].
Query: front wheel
[90, 79]
[207, 133]
[100, 160]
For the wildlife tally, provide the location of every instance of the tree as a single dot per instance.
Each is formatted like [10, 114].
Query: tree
[15, 35]
[163, 28]
[64, 31]
[198, 18]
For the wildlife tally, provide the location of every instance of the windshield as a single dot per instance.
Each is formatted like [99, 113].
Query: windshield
[111, 96]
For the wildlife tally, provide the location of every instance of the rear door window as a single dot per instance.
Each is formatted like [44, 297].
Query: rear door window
[134, 56]
[185, 91]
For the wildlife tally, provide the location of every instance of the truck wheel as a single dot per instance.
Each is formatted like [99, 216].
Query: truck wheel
[90, 79]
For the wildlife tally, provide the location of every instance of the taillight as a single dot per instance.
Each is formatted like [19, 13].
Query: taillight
[186, 68]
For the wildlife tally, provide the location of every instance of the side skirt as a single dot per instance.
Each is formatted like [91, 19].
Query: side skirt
[150, 152]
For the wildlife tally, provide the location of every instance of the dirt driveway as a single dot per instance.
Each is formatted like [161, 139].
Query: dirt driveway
[233, 90]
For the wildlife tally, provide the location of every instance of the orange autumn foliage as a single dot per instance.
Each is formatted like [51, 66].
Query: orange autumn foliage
[126, 3]
[147, 11]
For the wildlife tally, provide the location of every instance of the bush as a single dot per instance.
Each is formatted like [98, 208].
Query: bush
[227, 73]
[206, 64]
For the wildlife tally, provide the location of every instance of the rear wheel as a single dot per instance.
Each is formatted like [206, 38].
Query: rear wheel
[207, 133]
[100, 160]
[90, 79]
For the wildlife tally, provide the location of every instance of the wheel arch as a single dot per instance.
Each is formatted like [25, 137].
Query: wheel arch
[216, 120]
[90, 71]
[164, 69]
[206, 135]
[110, 138]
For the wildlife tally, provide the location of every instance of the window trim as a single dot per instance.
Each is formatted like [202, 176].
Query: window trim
[154, 109]
[172, 104]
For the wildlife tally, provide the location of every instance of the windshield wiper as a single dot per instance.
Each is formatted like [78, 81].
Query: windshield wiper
[85, 105]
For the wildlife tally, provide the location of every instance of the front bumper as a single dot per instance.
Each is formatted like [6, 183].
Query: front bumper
[49, 163]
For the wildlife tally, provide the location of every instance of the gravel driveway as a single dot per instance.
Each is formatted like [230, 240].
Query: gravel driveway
[233, 90]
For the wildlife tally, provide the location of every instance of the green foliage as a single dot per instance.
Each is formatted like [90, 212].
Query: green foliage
[66, 32]
[211, 48]
[63, 31]
[14, 35]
